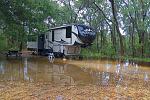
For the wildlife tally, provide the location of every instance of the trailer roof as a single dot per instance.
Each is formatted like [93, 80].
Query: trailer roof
[64, 26]
[60, 27]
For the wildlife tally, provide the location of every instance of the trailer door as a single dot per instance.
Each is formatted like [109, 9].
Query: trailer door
[41, 40]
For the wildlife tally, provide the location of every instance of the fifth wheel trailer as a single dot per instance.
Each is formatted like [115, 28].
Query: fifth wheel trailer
[64, 40]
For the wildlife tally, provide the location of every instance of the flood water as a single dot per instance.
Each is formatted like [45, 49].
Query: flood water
[101, 73]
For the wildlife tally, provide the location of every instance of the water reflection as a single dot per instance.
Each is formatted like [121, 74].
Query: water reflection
[118, 78]
[126, 65]
[71, 72]
[51, 57]
[146, 77]
[105, 78]
[59, 98]
[118, 74]
[118, 67]
[30, 69]
[108, 66]
[1, 68]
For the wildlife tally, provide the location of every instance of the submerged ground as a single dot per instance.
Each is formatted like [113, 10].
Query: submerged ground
[37, 78]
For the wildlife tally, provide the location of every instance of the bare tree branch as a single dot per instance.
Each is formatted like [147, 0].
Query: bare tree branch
[102, 12]
[106, 19]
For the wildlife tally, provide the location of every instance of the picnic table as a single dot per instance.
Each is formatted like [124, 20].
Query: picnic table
[13, 53]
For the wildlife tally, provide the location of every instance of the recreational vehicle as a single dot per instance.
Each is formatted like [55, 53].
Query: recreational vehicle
[63, 40]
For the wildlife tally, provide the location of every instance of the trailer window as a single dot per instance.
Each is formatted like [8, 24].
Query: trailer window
[68, 32]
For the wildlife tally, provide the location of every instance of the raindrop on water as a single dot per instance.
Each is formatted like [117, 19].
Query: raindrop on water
[146, 77]
[136, 68]
[105, 78]
[2, 68]
[118, 68]
[126, 64]
[108, 67]
[59, 98]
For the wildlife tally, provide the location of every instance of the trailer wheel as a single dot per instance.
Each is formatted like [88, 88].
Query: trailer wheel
[58, 54]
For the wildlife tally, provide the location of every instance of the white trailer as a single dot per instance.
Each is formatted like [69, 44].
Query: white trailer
[64, 40]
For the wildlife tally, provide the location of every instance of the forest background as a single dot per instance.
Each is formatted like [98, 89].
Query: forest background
[122, 26]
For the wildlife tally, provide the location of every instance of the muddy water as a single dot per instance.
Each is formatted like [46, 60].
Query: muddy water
[41, 69]
[129, 80]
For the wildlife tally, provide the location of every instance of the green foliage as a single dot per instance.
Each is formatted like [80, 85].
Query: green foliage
[3, 43]
[18, 18]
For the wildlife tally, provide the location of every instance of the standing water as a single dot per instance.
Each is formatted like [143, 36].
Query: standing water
[39, 78]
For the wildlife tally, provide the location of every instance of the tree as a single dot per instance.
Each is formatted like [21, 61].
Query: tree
[114, 12]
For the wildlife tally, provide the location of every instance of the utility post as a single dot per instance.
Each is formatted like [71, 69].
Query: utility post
[36, 31]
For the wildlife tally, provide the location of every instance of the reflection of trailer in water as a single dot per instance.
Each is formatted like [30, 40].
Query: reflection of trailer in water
[63, 40]
[57, 73]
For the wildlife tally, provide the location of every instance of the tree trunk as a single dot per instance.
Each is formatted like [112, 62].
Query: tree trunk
[132, 41]
[20, 46]
[97, 42]
[113, 38]
[117, 27]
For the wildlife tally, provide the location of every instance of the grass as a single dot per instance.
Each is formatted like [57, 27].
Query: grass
[139, 59]
[2, 43]
[96, 55]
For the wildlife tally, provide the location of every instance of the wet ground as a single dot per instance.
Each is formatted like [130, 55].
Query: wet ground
[38, 78]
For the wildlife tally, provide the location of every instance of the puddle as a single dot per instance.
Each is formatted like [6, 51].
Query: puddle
[124, 80]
